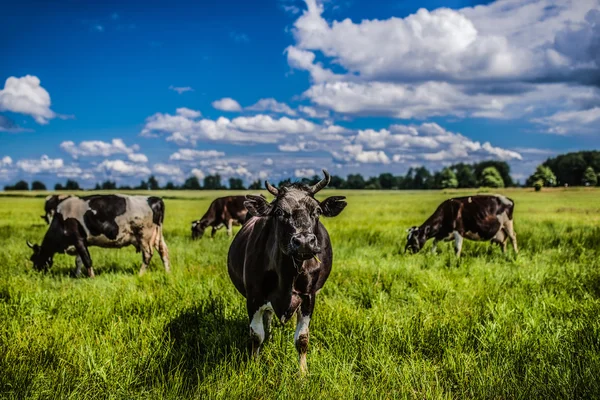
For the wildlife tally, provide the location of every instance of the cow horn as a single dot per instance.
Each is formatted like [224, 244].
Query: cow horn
[29, 244]
[322, 183]
[272, 189]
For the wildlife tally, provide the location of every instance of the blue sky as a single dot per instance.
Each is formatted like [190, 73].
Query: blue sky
[278, 88]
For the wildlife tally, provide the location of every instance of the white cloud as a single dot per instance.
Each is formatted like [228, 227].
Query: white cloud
[167, 169]
[95, 148]
[188, 113]
[569, 122]
[26, 96]
[227, 104]
[304, 172]
[181, 89]
[122, 168]
[268, 161]
[191, 154]
[6, 161]
[198, 173]
[313, 112]
[137, 158]
[272, 105]
[44, 165]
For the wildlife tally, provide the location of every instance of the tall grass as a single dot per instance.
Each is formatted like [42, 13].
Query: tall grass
[386, 324]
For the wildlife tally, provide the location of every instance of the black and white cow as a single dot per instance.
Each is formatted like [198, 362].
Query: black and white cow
[281, 257]
[223, 211]
[52, 202]
[480, 218]
[110, 221]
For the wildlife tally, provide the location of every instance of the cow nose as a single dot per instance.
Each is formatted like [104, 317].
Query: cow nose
[304, 242]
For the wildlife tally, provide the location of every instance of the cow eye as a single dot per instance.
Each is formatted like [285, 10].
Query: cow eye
[318, 211]
[279, 212]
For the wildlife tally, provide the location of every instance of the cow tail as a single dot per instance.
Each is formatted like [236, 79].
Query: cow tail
[510, 209]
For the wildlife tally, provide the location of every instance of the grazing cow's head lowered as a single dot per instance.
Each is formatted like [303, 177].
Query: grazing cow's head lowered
[296, 214]
[40, 261]
[416, 239]
[198, 228]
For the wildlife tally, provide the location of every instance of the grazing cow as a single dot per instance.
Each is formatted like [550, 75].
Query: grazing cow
[52, 201]
[281, 258]
[223, 211]
[111, 221]
[480, 218]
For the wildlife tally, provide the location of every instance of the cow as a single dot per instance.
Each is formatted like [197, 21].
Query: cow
[223, 211]
[480, 218]
[282, 257]
[110, 221]
[52, 201]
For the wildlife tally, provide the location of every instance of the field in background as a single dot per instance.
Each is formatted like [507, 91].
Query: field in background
[386, 324]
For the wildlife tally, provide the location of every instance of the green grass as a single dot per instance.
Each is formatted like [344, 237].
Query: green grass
[386, 324]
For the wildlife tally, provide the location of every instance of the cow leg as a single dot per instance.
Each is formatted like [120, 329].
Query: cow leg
[500, 239]
[147, 253]
[163, 250]
[512, 235]
[302, 330]
[229, 227]
[267, 319]
[458, 242]
[257, 328]
[78, 265]
[84, 255]
[213, 231]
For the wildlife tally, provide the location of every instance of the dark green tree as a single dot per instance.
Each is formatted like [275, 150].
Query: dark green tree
[109, 185]
[544, 174]
[256, 185]
[448, 179]
[191, 183]
[72, 185]
[355, 181]
[153, 183]
[589, 177]
[37, 185]
[170, 186]
[501, 166]
[387, 181]
[236, 184]
[490, 177]
[212, 182]
[337, 182]
[21, 185]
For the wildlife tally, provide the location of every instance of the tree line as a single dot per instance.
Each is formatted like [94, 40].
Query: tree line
[487, 173]
[580, 168]
[573, 169]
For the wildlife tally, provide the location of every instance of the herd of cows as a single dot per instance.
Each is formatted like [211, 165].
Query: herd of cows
[280, 258]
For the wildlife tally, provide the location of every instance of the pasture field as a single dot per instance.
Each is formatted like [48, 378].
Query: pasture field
[386, 325]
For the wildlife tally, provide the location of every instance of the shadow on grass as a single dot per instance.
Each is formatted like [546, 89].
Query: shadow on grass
[195, 342]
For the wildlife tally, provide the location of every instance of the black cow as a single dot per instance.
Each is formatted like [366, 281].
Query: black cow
[111, 221]
[480, 218]
[52, 202]
[281, 258]
[223, 211]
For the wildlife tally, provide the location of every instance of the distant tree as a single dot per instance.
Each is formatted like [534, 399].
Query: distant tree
[448, 179]
[387, 181]
[109, 185]
[170, 186]
[72, 185]
[142, 186]
[490, 177]
[236, 184]
[125, 187]
[191, 183]
[501, 166]
[373, 183]
[355, 181]
[256, 185]
[212, 182]
[422, 179]
[153, 183]
[544, 174]
[21, 185]
[589, 177]
[59, 186]
[336, 182]
[97, 187]
[465, 175]
[37, 185]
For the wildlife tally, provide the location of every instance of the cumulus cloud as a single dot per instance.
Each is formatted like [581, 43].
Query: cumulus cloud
[137, 157]
[192, 155]
[257, 129]
[44, 165]
[25, 95]
[167, 169]
[227, 104]
[6, 161]
[198, 173]
[491, 61]
[304, 172]
[188, 113]
[122, 168]
[271, 105]
[96, 148]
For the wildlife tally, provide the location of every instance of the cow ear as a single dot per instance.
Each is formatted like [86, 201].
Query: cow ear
[427, 229]
[257, 206]
[333, 205]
